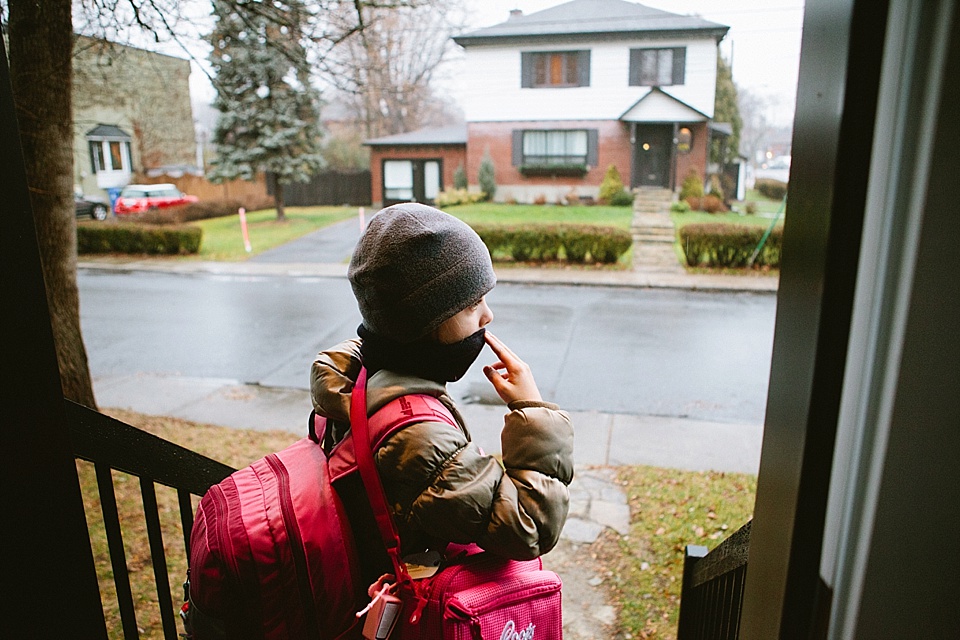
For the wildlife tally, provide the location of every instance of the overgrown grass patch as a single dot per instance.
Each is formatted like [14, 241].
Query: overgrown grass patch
[669, 509]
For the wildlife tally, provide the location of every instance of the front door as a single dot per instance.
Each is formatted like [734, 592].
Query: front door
[411, 181]
[652, 151]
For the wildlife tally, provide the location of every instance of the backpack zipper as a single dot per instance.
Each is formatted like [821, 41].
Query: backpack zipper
[296, 545]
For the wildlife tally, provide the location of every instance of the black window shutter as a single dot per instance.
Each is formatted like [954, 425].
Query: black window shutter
[593, 136]
[679, 66]
[633, 78]
[583, 68]
[517, 155]
[93, 156]
[526, 70]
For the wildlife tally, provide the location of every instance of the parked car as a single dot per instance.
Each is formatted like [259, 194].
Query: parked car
[96, 208]
[135, 198]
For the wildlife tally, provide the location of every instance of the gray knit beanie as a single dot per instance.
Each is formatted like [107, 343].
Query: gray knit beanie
[414, 267]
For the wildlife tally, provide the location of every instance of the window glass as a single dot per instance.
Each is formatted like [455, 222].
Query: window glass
[657, 67]
[431, 179]
[116, 156]
[96, 149]
[398, 180]
[557, 69]
[555, 147]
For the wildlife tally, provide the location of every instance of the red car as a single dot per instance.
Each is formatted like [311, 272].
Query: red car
[136, 198]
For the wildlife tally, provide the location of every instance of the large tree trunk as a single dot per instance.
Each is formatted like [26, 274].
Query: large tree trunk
[41, 46]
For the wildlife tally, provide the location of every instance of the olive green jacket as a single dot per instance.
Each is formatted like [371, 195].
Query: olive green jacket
[441, 485]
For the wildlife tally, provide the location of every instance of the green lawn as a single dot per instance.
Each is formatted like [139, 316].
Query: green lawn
[669, 509]
[223, 238]
[731, 217]
[488, 213]
[765, 206]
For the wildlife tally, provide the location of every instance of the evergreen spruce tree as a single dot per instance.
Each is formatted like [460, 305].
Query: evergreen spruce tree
[487, 177]
[269, 119]
[726, 109]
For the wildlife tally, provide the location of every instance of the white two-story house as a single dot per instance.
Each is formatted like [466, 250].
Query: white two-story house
[557, 96]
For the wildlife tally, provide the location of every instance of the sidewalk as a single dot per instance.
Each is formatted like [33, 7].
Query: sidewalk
[516, 275]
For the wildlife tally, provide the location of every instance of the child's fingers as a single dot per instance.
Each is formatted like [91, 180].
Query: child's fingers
[503, 351]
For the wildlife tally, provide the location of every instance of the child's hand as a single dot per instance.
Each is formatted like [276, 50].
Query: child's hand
[510, 376]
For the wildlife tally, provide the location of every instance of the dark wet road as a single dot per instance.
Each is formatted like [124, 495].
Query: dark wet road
[617, 350]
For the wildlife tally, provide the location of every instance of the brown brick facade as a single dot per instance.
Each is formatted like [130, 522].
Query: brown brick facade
[697, 158]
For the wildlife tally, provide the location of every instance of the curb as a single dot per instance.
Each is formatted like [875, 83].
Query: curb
[641, 279]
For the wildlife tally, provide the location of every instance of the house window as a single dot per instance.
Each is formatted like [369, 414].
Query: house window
[543, 69]
[110, 155]
[657, 67]
[554, 147]
[555, 151]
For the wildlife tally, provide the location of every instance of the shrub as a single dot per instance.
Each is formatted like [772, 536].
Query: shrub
[544, 243]
[188, 212]
[773, 189]
[750, 208]
[712, 204]
[727, 245]
[572, 197]
[457, 196]
[680, 206]
[611, 186]
[127, 237]
[622, 199]
[715, 187]
[540, 199]
[460, 178]
[487, 177]
[693, 202]
[692, 187]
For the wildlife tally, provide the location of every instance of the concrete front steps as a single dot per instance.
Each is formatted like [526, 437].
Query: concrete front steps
[653, 232]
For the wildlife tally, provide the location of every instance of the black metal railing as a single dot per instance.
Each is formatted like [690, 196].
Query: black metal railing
[114, 445]
[711, 597]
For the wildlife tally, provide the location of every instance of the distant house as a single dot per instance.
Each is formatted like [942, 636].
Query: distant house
[131, 114]
[416, 165]
[557, 96]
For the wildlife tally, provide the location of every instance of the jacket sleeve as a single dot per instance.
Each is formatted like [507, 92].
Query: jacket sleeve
[440, 483]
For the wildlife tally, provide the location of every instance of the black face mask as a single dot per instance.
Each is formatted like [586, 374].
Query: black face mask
[424, 358]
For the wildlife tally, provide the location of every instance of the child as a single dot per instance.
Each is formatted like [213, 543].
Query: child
[420, 277]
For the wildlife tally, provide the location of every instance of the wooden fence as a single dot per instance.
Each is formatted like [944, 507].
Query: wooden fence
[332, 188]
[251, 194]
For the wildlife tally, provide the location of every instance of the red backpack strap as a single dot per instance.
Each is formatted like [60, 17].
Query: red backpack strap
[393, 416]
[360, 430]
[403, 411]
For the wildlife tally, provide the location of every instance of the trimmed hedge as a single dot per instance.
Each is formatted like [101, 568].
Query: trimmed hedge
[773, 189]
[727, 245]
[548, 243]
[188, 212]
[127, 237]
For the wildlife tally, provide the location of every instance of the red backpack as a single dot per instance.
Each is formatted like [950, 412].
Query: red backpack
[273, 555]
